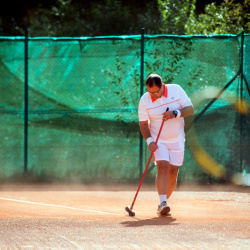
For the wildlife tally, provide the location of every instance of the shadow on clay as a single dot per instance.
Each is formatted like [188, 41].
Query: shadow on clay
[157, 221]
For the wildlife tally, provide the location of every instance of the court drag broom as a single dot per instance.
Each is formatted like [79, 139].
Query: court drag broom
[129, 209]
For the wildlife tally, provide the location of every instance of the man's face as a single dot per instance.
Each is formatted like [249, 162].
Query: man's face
[155, 91]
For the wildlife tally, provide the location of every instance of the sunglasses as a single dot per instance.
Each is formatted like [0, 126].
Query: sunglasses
[156, 92]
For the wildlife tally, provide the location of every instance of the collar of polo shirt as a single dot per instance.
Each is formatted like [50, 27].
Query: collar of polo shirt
[165, 93]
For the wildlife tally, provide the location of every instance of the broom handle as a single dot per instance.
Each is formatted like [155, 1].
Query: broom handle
[131, 207]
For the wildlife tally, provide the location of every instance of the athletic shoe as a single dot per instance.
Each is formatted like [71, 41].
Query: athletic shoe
[163, 209]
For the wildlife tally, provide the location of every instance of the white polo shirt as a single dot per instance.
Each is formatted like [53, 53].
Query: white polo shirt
[151, 110]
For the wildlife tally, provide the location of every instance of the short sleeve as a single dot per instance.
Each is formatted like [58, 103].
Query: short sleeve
[142, 111]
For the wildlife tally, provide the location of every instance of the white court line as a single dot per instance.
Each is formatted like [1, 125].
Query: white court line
[50, 205]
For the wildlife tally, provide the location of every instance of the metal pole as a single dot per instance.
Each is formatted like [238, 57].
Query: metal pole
[241, 99]
[141, 93]
[26, 102]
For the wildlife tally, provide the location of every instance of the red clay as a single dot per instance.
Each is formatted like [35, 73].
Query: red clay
[94, 216]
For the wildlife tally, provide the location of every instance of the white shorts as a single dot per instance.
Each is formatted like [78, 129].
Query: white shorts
[171, 152]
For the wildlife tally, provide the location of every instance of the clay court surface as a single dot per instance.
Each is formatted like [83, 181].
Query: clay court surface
[78, 216]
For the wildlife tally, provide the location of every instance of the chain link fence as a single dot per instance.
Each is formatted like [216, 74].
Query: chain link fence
[83, 95]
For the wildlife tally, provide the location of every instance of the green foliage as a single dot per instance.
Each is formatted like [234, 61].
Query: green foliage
[166, 57]
[197, 72]
[118, 76]
[84, 18]
[122, 17]
[175, 14]
[227, 18]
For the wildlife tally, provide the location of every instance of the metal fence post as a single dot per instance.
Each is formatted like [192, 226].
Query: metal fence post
[141, 93]
[241, 98]
[26, 102]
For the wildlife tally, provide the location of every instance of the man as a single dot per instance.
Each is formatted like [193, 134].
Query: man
[169, 151]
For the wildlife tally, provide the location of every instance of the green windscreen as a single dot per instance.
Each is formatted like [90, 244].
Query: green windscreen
[83, 95]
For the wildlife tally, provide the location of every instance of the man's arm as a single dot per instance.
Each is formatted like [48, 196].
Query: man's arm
[144, 129]
[146, 134]
[187, 111]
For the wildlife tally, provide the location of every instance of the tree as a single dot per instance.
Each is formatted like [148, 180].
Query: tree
[175, 14]
[227, 18]
[80, 18]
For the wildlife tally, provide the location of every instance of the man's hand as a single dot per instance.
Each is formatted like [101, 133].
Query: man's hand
[187, 111]
[152, 147]
[168, 115]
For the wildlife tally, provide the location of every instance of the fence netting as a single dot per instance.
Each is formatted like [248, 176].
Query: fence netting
[83, 95]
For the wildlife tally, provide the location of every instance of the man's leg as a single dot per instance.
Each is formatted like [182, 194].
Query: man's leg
[162, 177]
[172, 179]
[162, 186]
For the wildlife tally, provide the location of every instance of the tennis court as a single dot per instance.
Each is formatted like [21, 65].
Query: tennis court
[77, 216]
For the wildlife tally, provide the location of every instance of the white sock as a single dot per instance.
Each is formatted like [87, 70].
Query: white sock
[163, 197]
